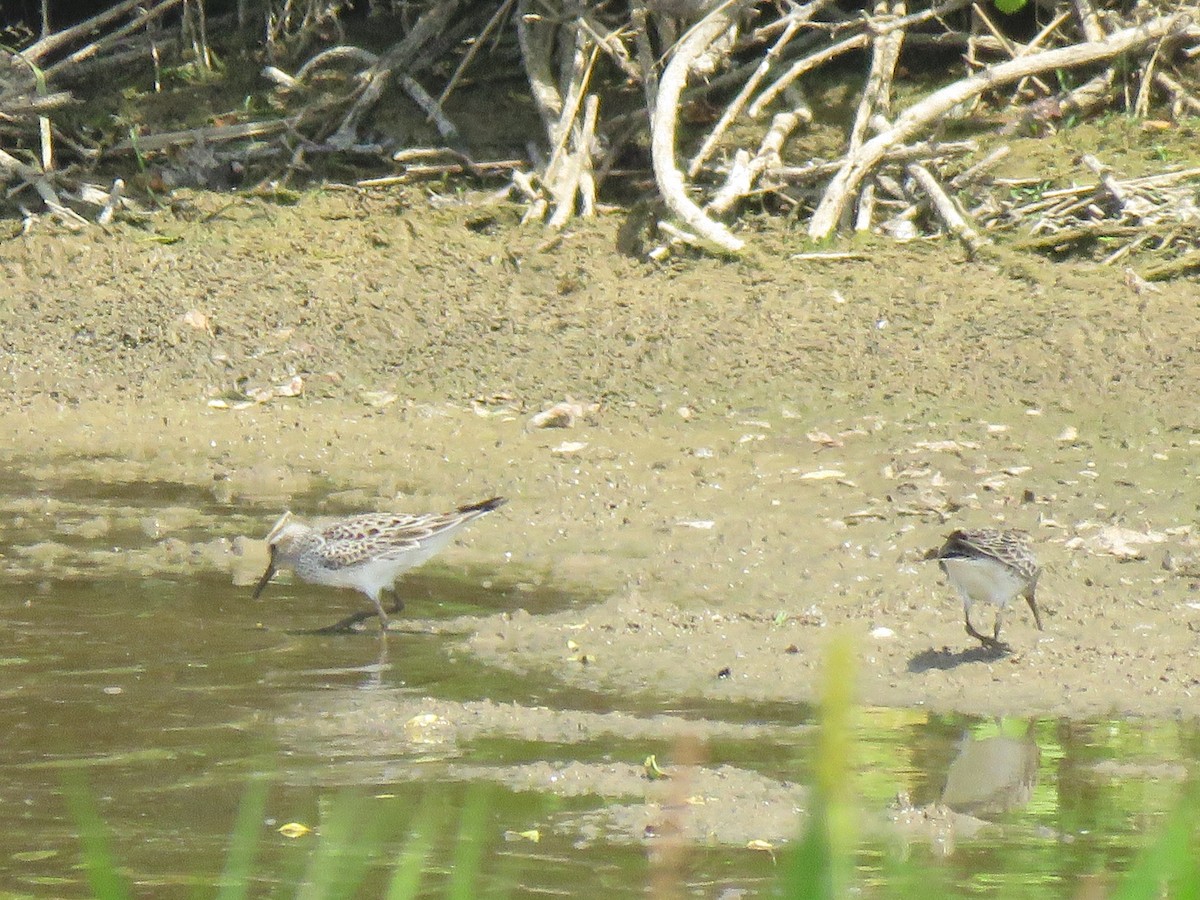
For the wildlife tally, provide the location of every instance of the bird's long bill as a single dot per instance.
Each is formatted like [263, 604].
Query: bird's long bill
[267, 575]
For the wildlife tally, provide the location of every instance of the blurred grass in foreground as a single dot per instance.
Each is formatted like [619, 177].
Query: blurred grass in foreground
[355, 830]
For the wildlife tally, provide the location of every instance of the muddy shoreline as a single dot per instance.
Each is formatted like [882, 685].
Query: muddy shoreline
[774, 445]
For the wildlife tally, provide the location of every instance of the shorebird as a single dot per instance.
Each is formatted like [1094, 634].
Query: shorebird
[366, 552]
[991, 566]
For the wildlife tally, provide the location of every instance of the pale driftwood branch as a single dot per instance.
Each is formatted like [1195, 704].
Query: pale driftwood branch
[856, 42]
[857, 166]
[211, 134]
[1089, 21]
[278, 76]
[1104, 173]
[432, 110]
[876, 98]
[336, 55]
[739, 102]
[610, 44]
[574, 175]
[536, 38]
[1178, 91]
[746, 170]
[398, 59]
[498, 16]
[24, 105]
[662, 129]
[32, 177]
[110, 39]
[922, 150]
[866, 208]
[975, 171]
[54, 42]
[946, 209]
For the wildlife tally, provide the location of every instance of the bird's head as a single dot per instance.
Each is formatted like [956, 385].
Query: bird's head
[285, 544]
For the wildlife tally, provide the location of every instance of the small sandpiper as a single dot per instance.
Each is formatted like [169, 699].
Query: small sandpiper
[367, 552]
[991, 566]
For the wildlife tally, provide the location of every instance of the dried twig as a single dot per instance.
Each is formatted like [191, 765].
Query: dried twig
[947, 210]
[858, 165]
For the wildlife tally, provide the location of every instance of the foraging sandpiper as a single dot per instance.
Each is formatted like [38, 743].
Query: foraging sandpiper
[991, 566]
[366, 552]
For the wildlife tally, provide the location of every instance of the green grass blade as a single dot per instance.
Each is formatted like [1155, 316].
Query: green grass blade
[1168, 867]
[469, 846]
[349, 838]
[243, 843]
[105, 881]
[410, 864]
[821, 865]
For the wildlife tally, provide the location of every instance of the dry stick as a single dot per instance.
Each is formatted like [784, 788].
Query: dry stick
[501, 11]
[947, 210]
[857, 166]
[855, 42]
[972, 173]
[1120, 253]
[399, 57]
[48, 45]
[1013, 52]
[211, 134]
[866, 208]
[751, 85]
[924, 149]
[536, 38]
[562, 171]
[587, 139]
[610, 43]
[1141, 104]
[746, 170]
[110, 39]
[1089, 21]
[1117, 191]
[433, 112]
[1180, 266]
[12, 166]
[876, 96]
[662, 128]
[574, 172]
[1178, 91]
[337, 54]
[638, 17]
[21, 105]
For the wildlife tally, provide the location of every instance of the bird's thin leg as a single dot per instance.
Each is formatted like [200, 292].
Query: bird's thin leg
[982, 638]
[991, 643]
[343, 626]
[383, 619]
[397, 603]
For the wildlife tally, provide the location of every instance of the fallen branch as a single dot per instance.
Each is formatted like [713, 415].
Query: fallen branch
[947, 210]
[856, 166]
[662, 129]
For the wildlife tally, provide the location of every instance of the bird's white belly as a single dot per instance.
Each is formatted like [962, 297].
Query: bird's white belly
[984, 581]
[370, 577]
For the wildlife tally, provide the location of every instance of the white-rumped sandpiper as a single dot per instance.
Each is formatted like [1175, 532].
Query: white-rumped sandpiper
[991, 566]
[366, 552]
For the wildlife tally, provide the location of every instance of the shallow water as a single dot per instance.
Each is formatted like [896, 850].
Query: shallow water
[147, 671]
